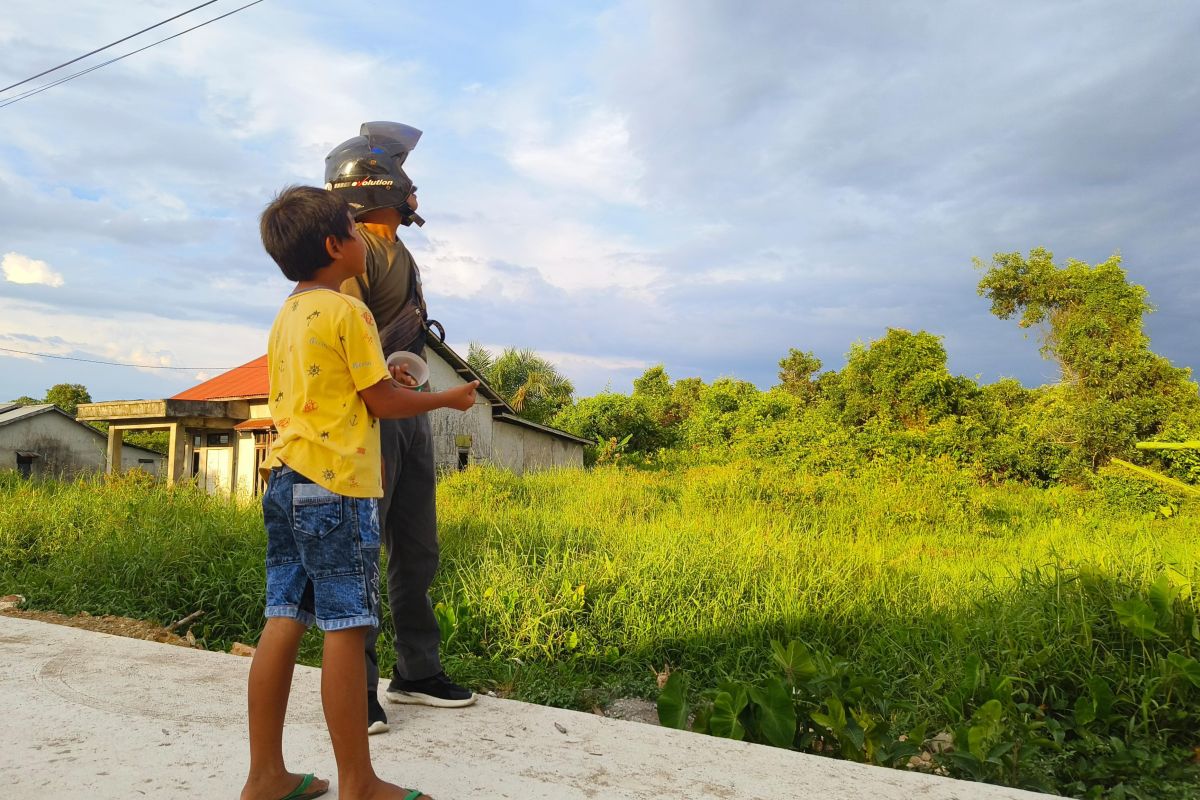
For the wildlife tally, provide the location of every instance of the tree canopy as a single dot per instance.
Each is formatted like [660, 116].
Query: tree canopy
[528, 382]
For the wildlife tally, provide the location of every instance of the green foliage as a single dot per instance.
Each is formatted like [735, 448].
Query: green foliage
[1114, 390]
[529, 383]
[904, 601]
[68, 396]
[611, 420]
[156, 440]
[797, 373]
[654, 383]
[900, 379]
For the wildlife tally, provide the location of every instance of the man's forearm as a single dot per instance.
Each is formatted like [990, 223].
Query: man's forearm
[389, 400]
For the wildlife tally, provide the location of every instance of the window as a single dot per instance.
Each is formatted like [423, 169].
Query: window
[218, 439]
[145, 460]
[464, 459]
[25, 463]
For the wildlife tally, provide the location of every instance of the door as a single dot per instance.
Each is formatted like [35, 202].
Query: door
[218, 469]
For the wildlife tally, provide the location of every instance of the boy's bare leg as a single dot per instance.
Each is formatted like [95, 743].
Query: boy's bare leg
[268, 689]
[343, 686]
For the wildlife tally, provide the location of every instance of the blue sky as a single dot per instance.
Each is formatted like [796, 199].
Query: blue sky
[702, 184]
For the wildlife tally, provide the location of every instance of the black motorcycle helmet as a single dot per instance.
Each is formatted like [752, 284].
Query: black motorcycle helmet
[368, 169]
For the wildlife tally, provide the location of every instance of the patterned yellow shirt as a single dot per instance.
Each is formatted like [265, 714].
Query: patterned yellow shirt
[323, 349]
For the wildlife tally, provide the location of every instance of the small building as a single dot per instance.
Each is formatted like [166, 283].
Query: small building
[221, 430]
[45, 440]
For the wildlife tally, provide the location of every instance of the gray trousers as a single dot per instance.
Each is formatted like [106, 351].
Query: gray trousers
[408, 527]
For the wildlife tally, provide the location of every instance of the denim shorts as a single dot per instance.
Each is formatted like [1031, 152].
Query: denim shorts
[322, 554]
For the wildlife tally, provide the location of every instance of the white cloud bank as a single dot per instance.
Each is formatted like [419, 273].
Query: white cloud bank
[19, 268]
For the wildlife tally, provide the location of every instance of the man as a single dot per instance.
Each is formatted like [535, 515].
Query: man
[368, 172]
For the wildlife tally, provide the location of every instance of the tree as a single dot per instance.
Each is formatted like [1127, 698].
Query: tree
[610, 416]
[479, 359]
[26, 400]
[529, 383]
[1114, 389]
[796, 371]
[68, 396]
[900, 379]
[654, 383]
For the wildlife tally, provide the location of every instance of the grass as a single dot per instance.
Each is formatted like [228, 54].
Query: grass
[572, 588]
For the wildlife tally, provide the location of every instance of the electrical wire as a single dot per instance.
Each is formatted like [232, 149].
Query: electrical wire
[44, 87]
[110, 44]
[122, 364]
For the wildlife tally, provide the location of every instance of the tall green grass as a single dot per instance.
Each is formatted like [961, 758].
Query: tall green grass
[574, 587]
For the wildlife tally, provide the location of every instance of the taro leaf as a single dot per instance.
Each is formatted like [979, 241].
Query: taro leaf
[999, 751]
[971, 676]
[835, 720]
[795, 661]
[724, 721]
[1138, 617]
[1162, 598]
[968, 763]
[777, 712]
[1102, 696]
[701, 717]
[1085, 711]
[1187, 668]
[985, 728]
[895, 753]
[672, 702]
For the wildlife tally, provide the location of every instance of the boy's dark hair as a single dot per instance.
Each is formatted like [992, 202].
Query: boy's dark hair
[296, 224]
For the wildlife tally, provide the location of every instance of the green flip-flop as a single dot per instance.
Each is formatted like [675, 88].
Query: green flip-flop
[301, 791]
[414, 794]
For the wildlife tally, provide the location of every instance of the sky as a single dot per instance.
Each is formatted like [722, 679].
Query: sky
[702, 184]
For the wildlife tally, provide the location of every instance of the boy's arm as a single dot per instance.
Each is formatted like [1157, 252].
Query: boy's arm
[389, 400]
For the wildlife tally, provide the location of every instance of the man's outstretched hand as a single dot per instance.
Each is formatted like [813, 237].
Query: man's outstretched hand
[462, 397]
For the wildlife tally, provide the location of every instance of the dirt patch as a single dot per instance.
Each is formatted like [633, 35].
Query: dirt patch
[633, 709]
[116, 626]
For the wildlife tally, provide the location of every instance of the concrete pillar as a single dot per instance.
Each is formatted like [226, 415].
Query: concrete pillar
[115, 437]
[176, 454]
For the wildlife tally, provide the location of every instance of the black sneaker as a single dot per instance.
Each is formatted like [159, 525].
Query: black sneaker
[438, 691]
[376, 718]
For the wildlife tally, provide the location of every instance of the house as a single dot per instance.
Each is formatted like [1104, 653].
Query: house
[45, 440]
[221, 430]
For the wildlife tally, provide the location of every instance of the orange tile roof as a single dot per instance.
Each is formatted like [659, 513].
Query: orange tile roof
[250, 380]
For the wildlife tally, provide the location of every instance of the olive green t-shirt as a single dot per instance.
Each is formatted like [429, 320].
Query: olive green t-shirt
[385, 286]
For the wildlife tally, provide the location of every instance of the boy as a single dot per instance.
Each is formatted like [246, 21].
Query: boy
[329, 386]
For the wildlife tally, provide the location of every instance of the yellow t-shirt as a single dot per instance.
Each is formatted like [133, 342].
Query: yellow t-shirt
[322, 350]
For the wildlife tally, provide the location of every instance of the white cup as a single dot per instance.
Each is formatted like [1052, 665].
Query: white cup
[415, 365]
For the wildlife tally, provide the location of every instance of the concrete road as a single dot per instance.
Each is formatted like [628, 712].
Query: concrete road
[88, 715]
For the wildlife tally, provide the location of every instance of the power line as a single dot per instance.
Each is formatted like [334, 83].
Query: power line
[110, 44]
[43, 88]
[121, 363]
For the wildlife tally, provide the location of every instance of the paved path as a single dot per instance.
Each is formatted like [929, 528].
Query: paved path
[88, 715]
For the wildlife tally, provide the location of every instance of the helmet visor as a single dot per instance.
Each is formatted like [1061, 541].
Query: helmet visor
[394, 137]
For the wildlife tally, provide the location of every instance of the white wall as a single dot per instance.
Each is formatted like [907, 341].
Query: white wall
[501, 443]
[522, 449]
[448, 425]
[65, 447]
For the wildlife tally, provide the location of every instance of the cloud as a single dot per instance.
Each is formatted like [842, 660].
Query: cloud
[18, 268]
[592, 156]
[690, 182]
